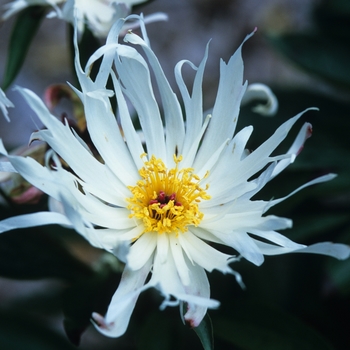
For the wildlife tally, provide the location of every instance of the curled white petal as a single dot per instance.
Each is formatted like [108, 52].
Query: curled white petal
[257, 92]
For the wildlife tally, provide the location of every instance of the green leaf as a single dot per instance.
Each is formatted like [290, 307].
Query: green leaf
[253, 325]
[88, 296]
[21, 331]
[34, 254]
[25, 28]
[205, 333]
[340, 270]
[324, 56]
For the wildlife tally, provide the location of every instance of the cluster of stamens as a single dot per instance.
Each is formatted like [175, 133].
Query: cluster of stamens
[166, 200]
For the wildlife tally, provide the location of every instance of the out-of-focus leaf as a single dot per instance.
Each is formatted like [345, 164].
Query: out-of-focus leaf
[34, 254]
[160, 329]
[157, 332]
[340, 270]
[205, 333]
[312, 225]
[322, 55]
[88, 296]
[19, 331]
[332, 18]
[255, 326]
[340, 275]
[25, 28]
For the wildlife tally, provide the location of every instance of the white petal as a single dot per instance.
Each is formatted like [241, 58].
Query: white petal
[203, 254]
[131, 136]
[7, 166]
[123, 302]
[180, 262]
[62, 140]
[256, 160]
[135, 77]
[226, 109]
[336, 250]
[193, 104]
[174, 125]
[141, 250]
[320, 179]
[4, 104]
[106, 136]
[199, 286]
[261, 92]
[298, 144]
[33, 220]
[243, 244]
[166, 278]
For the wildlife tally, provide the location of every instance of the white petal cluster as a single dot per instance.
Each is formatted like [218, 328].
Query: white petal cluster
[98, 15]
[94, 194]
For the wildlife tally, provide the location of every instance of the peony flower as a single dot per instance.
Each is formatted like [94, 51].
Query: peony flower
[4, 104]
[164, 203]
[99, 15]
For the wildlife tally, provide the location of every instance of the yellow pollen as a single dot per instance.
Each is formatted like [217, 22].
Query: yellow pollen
[166, 200]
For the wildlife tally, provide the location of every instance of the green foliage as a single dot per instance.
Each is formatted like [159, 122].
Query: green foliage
[324, 51]
[25, 28]
[88, 296]
[254, 325]
[205, 333]
[36, 254]
[19, 331]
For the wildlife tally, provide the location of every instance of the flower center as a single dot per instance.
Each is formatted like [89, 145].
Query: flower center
[166, 200]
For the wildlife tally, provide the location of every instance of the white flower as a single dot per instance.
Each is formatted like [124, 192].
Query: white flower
[163, 205]
[99, 15]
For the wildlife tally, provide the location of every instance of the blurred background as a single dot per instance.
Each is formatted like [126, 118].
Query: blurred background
[301, 49]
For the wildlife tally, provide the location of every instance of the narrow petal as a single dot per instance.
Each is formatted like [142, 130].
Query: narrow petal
[297, 146]
[243, 244]
[135, 77]
[226, 108]
[320, 179]
[33, 220]
[123, 302]
[261, 92]
[4, 104]
[180, 262]
[203, 254]
[193, 104]
[199, 286]
[335, 250]
[141, 251]
[174, 125]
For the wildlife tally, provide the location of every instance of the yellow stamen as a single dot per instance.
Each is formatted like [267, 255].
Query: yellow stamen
[166, 200]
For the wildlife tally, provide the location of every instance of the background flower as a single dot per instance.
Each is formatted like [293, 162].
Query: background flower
[98, 15]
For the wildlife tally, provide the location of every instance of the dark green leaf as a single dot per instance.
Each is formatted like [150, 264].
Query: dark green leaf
[255, 326]
[340, 270]
[321, 55]
[25, 28]
[205, 333]
[157, 332]
[88, 296]
[34, 254]
[20, 331]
